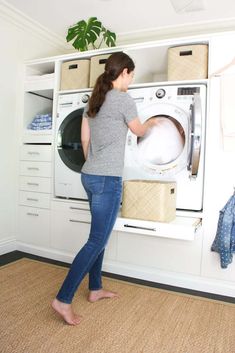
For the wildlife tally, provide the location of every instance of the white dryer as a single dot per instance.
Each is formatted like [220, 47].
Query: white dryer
[69, 157]
[174, 148]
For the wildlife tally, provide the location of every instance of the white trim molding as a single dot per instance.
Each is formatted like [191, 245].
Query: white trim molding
[7, 245]
[12, 15]
[168, 32]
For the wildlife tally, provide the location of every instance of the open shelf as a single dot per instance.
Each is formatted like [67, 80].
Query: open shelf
[184, 228]
[43, 84]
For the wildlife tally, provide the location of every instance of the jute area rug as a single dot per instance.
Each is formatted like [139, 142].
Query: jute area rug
[142, 320]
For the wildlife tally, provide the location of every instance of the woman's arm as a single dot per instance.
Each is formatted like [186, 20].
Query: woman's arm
[85, 136]
[140, 129]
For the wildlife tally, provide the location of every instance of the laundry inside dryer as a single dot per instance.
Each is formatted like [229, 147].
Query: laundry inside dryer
[163, 143]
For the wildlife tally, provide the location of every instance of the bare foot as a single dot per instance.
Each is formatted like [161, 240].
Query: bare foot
[96, 295]
[66, 312]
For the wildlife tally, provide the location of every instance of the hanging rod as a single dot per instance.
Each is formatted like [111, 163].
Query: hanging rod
[40, 95]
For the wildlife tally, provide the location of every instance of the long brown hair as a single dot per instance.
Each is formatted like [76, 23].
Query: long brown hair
[114, 66]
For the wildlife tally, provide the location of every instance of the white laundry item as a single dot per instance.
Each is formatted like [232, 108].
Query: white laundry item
[162, 144]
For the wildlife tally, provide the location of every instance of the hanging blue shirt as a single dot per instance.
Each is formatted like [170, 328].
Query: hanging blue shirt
[224, 242]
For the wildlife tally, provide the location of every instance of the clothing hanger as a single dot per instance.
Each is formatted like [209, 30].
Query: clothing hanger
[222, 69]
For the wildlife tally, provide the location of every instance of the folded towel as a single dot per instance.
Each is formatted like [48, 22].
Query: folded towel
[41, 122]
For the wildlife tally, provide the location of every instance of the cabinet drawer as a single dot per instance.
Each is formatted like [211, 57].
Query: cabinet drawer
[34, 199]
[29, 168]
[37, 184]
[69, 233]
[34, 226]
[36, 153]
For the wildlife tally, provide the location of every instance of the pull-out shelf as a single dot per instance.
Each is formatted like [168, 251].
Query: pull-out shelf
[183, 228]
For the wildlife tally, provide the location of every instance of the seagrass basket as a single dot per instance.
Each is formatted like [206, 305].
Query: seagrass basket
[188, 62]
[149, 200]
[97, 67]
[75, 74]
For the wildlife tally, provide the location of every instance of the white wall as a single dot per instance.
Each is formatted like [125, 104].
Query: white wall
[18, 43]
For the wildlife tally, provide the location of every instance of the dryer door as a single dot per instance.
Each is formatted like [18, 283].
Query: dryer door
[69, 144]
[164, 148]
[195, 136]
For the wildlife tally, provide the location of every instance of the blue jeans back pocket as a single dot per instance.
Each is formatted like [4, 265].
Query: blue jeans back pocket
[93, 183]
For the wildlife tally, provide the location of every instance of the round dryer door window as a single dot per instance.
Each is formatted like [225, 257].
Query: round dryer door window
[164, 148]
[163, 143]
[69, 141]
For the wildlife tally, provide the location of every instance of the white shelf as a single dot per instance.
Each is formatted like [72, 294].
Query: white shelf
[75, 90]
[183, 228]
[41, 84]
[37, 136]
[139, 85]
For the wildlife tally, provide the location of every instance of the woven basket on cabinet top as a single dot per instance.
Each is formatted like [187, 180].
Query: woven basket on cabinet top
[188, 62]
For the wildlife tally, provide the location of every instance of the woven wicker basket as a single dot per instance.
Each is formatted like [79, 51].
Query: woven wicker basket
[75, 74]
[97, 67]
[188, 62]
[149, 200]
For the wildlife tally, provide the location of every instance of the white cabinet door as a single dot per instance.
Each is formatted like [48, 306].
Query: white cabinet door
[34, 226]
[160, 253]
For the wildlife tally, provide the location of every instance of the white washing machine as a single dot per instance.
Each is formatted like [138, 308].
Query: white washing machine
[69, 157]
[174, 148]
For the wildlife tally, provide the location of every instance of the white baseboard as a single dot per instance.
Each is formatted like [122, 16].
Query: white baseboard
[176, 279]
[45, 252]
[7, 245]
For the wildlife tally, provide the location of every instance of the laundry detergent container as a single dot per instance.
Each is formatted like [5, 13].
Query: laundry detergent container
[75, 74]
[149, 200]
[97, 67]
[188, 62]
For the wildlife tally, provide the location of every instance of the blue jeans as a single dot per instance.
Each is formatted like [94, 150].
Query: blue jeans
[104, 195]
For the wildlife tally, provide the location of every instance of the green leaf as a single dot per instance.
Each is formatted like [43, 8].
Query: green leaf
[109, 38]
[84, 33]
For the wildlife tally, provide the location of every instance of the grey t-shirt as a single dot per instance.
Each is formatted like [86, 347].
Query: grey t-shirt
[108, 130]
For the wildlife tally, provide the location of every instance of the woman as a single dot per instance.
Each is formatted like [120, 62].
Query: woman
[110, 112]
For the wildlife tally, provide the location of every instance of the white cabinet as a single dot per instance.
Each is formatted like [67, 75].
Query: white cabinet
[64, 228]
[71, 226]
[38, 99]
[159, 253]
[35, 194]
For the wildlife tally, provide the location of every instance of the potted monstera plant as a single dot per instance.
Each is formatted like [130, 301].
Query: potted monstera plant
[90, 34]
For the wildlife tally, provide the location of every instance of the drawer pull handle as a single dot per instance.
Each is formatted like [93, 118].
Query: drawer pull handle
[31, 199]
[77, 208]
[32, 214]
[33, 184]
[33, 168]
[76, 221]
[137, 227]
[33, 153]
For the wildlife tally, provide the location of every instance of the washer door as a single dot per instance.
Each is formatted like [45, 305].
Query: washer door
[69, 144]
[164, 148]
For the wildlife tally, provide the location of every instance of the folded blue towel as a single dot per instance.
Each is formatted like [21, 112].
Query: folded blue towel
[41, 122]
